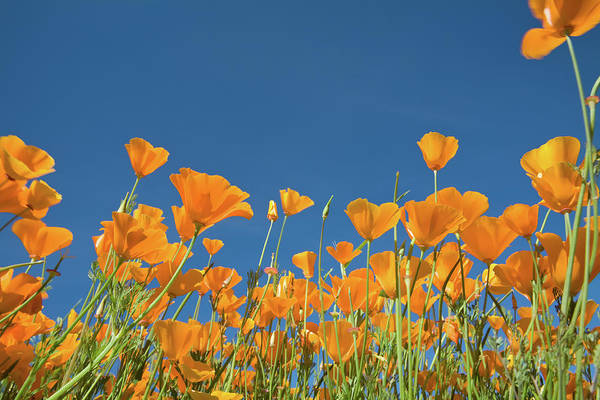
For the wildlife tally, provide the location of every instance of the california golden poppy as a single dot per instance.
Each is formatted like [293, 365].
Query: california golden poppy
[209, 199]
[470, 204]
[41, 240]
[37, 199]
[306, 262]
[384, 267]
[144, 157]
[149, 217]
[175, 338]
[129, 239]
[560, 18]
[212, 246]
[292, 203]
[14, 290]
[343, 252]
[559, 187]
[23, 162]
[518, 272]
[220, 278]
[428, 223]
[183, 223]
[522, 219]
[487, 238]
[556, 150]
[437, 149]
[341, 340]
[370, 220]
[556, 262]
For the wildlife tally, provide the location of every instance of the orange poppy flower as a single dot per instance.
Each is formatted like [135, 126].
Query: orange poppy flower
[195, 371]
[129, 239]
[522, 219]
[557, 260]
[292, 203]
[220, 278]
[487, 238]
[15, 290]
[183, 223]
[428, 223]
[518, 272]
[37, 199]
[279, 306]
[184, 282]
[22, 162]
[212, 246]
[445, 262]
[41, 240]
[554, 151]
[306, 262]
[347, 336]
[560, 18]
[437, 149]
[209, 199]
[145, 158]
[370, 220]
[470, 204]
[352, 293]
[175, 338]
[384, 266]
[559, 187]
[149, 217]
[228, 302]
[343, 252]
[272, 213]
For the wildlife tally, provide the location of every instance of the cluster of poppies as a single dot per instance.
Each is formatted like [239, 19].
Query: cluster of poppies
[411, 321]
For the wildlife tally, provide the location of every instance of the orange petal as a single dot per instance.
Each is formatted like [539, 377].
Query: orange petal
[539, 42]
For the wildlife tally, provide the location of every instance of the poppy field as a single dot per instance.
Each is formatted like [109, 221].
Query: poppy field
[449, 310]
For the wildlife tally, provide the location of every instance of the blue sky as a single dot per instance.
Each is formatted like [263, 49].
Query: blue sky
[323, 97]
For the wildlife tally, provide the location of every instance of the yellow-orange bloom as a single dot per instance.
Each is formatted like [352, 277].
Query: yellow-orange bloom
[212, 246]
[292, 203]
[487, 238]
[437, 149]
[554, 151]
[560, 18]
[470, 204]
[145, 158]
[428, 223]
[41, 240]
[343, 252]
[559, 187]
[342, 340]
[175, 338]
[130, 240]
[209, 199]
[306, 262]
[384, 267]
[370, 220]
[518, 272]
[37, 199]
[522, 219]
[272, 213]
[556, 262]
[183, 223]
[22, 162]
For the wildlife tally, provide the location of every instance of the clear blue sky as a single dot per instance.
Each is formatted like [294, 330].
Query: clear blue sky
[323, 97]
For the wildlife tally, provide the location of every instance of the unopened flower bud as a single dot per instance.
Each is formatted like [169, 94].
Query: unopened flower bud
[272, 213]
[100, 309]
[326, 208]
